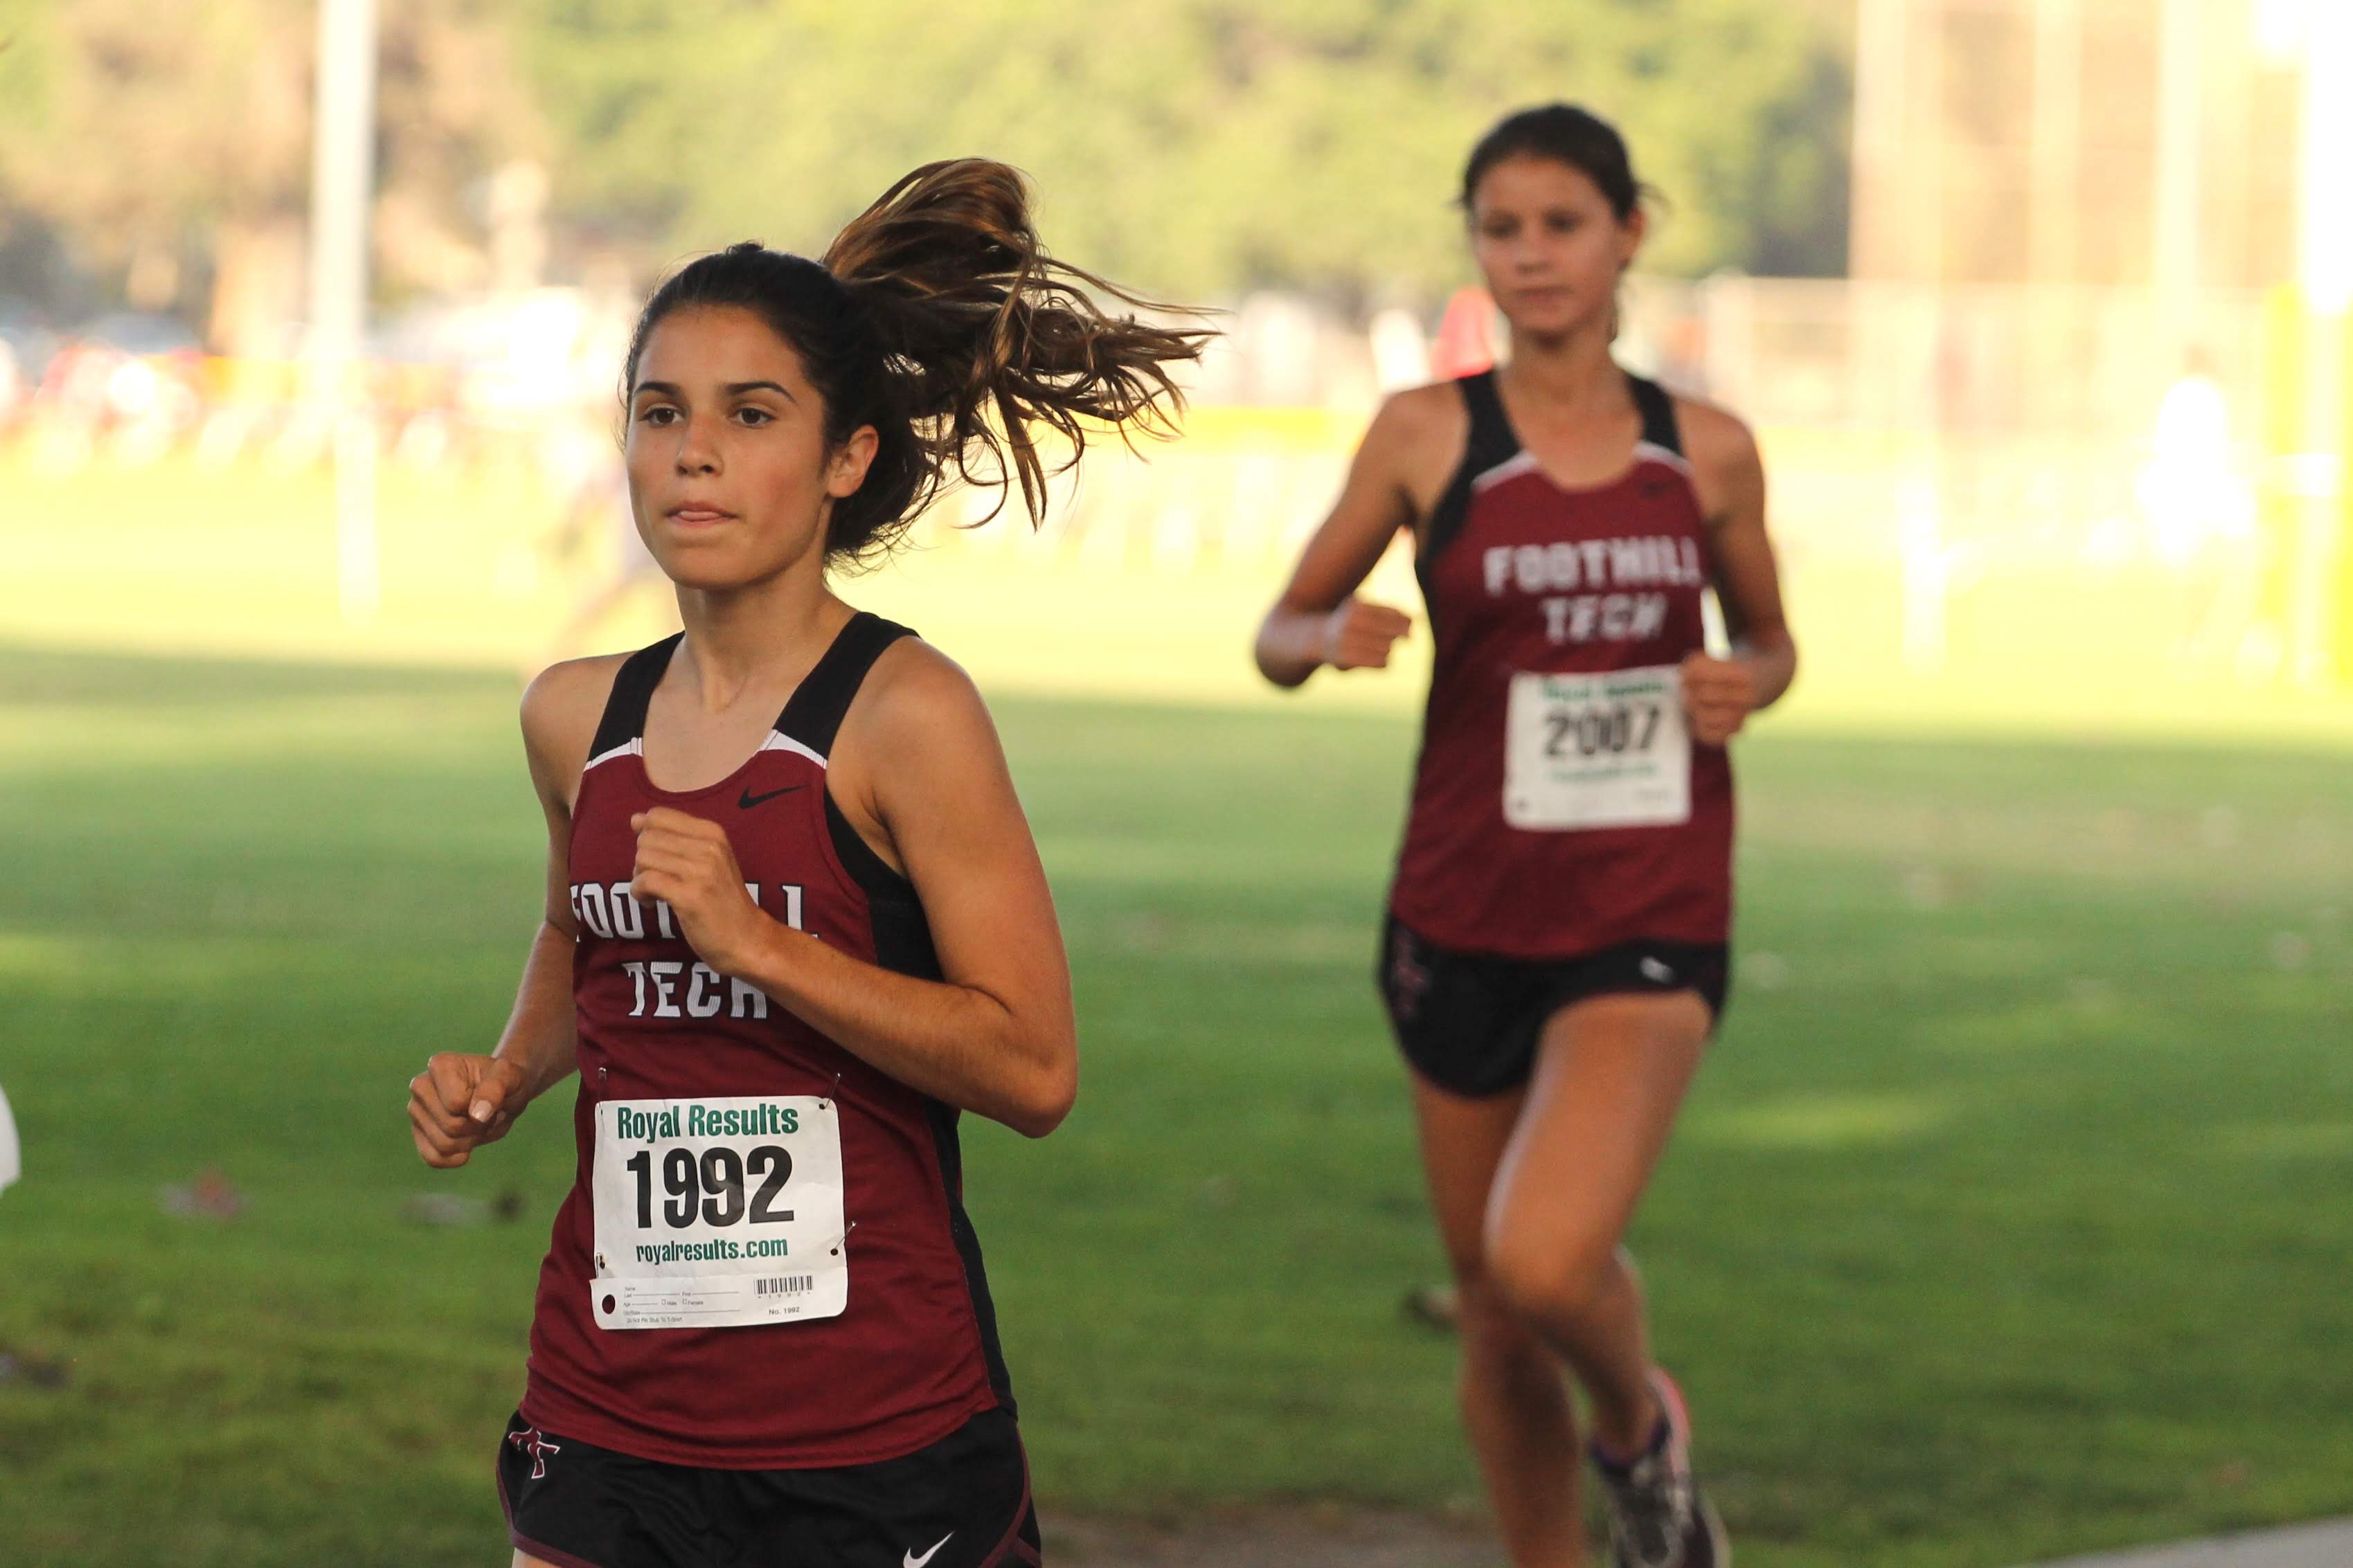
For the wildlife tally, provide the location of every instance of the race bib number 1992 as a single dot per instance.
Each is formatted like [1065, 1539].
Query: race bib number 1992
[717, 1213]
[1610, 750]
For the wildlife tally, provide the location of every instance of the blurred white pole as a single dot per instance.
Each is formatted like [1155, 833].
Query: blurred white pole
[2054, 215]
[1925, 566]
[11, 1164]
[342, 185]
[1401, 351]
[2325, 272]
[2279, 29]
[1924, 174]
[1873, 229]
[2056, 134]
[2324, 233]
[2173, 267]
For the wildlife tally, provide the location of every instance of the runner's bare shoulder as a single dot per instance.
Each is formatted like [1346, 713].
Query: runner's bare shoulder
[913, 694]
[1431, 416]
[561, 709]
[1418, 440]
[1722, 448]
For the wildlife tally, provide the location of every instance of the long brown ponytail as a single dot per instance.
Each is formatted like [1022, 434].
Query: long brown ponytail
[938, 318]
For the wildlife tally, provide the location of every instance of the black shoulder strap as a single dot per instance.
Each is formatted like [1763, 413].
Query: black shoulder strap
[1660, 427]
[814, 715]
[1492, 441]
[633, 689]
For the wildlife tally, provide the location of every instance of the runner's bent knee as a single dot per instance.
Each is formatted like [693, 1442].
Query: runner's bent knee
[1494, 1333]
[1548, 1275]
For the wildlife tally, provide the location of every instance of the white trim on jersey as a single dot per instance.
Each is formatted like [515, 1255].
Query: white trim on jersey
[1511, 467]
[778, 741]
[1659, 454]
[635, 748]
[1525, 462]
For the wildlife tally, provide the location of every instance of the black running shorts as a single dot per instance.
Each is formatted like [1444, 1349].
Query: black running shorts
[963, 1502]
[1469, 1022]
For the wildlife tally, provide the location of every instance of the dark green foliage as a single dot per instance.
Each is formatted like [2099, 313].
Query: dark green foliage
[1198, 146]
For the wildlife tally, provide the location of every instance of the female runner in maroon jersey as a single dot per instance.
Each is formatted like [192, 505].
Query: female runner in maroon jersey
[795, 924]
[1555, 957]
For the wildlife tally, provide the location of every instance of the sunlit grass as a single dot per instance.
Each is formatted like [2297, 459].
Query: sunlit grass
[2001, 1223]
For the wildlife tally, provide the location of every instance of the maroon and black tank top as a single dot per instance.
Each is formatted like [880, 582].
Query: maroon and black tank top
[711, 1107]
[1558, 806]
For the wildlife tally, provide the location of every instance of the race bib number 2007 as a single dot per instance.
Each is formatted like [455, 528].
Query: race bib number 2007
[1609, 750]
[717, 1213]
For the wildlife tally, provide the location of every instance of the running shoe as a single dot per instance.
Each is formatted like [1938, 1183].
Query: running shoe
[1657, 1517]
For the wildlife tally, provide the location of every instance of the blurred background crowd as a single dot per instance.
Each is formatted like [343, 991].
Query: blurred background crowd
[2039, 305]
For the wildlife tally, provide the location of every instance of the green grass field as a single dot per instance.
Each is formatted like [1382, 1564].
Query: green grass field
[2009, 1217]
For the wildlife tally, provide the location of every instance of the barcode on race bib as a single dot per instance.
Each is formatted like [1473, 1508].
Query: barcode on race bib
[786, 1285]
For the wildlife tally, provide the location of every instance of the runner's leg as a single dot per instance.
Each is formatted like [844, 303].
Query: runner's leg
[1514, 1400]
[1611, 1074]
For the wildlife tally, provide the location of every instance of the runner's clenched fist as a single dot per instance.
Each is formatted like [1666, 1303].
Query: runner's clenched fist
[687, 863]
[1718, 695]
[461, 1101]
[1357, 633]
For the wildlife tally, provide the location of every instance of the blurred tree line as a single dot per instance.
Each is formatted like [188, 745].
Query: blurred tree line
[159, 154]
[1195, 148]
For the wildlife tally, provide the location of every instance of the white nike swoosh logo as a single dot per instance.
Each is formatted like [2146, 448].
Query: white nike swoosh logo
[912, 1561]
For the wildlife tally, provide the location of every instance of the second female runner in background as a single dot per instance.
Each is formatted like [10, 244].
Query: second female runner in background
[1555, 958]
[795, 924]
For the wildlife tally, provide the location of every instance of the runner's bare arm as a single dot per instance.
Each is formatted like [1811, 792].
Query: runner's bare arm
[1319, 620]
[1722, 693]
[918, 770]
[463, 1100]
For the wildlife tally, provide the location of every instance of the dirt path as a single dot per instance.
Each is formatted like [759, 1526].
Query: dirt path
[1298, 1537]
[1343, 1538]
